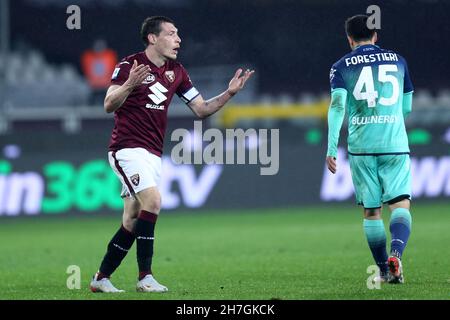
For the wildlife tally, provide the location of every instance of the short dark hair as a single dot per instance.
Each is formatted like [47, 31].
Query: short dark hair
[152, 25]
[356, 28]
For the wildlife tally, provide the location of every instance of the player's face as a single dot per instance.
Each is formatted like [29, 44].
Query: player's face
[168, 42]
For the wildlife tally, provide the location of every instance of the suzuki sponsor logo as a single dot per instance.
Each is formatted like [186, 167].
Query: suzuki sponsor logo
[157, 95]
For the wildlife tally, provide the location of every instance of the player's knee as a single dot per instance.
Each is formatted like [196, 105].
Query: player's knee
[150, 200]
[372, 213]
[155, 207]
[400, 203]
[152, 205]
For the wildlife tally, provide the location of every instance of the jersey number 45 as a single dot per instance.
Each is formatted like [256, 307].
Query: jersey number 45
[370, 94]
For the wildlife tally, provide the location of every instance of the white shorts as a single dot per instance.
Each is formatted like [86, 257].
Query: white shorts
[137, 169]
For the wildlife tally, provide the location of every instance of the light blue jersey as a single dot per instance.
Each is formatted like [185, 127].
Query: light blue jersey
[374, 83]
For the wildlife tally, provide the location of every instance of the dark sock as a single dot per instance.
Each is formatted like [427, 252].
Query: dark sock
[400, 227]
[100, 276]
[117, 250]
[145, 230]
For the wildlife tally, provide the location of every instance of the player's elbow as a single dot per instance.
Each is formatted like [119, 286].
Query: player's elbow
[340, 109]
[337, 106]
[108, 106]
[108, 109]
[200, 113]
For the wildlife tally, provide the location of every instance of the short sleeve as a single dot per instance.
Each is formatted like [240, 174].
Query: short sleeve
[336, 80]
[407, 83]
[186, 90]
[121, 72]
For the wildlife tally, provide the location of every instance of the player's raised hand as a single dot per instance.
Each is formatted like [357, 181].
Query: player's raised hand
[331, 164]
[137, 74]
[238, 81]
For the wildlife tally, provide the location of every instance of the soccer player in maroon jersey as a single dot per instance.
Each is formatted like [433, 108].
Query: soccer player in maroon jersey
[142, 87]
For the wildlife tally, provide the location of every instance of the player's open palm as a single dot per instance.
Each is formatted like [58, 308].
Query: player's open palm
[137, 74]
[239, 80]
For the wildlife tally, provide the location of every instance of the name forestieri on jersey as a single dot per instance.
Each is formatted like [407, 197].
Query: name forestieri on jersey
[374, 119]
[373, 57]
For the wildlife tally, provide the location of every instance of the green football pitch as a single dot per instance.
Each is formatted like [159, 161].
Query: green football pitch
[295, 253]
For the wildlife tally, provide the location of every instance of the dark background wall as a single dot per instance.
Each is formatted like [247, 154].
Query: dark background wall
[292, 44]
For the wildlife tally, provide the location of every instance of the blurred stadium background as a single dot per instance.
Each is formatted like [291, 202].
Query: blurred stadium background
[54, 133]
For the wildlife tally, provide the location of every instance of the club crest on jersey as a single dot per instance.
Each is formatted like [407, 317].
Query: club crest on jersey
[150, 78]
[170, 75]
[135, 179]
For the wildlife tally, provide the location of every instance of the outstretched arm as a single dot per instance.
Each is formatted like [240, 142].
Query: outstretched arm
[336, 114]
[203, 109]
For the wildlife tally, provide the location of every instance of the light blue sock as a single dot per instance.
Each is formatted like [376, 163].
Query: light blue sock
[400, 227]
[376, 238]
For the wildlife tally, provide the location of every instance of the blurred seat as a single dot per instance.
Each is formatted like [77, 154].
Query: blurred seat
[34, 60]
[68, 73]
[14, 61]
[443, 99]
[423, 99]
[30, 81]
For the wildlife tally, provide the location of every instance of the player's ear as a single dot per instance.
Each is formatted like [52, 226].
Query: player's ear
[350, 42]
[151, 38]
[375, 37]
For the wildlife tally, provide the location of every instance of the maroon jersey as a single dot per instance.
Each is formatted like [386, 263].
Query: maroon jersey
[141, 121]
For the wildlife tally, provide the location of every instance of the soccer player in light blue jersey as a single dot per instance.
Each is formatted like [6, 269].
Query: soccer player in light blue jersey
[373, 84]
